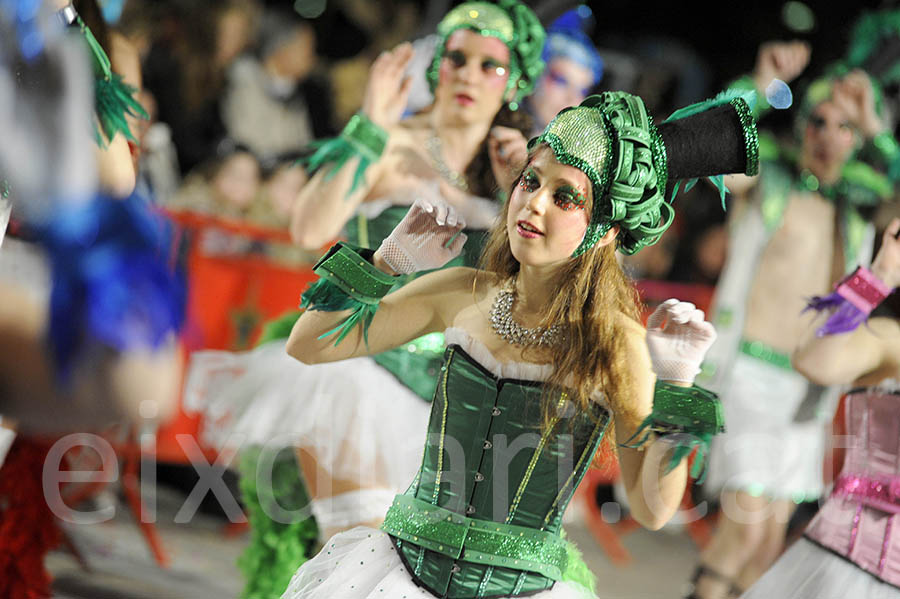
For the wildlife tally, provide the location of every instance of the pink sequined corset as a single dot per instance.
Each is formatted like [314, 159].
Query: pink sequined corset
[858, 521]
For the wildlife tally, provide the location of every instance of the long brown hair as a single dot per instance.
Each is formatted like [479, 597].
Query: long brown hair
[594, 301]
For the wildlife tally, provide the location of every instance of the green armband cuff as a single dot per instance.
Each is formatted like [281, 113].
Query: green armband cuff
[689, 417]
[348, 281]
[360, 138]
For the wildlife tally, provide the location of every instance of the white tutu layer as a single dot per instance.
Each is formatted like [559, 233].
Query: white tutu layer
[806, 571]
[363, 564]
[763, 450]
[358, 420]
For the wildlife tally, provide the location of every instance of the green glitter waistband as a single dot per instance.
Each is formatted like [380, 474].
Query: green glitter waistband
[766, 353]
[476, 541]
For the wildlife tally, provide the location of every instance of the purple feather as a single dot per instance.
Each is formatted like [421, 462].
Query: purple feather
[845, 316]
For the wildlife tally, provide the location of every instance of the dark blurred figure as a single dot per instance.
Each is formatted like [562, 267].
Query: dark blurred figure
[185, 70]
[703, 238]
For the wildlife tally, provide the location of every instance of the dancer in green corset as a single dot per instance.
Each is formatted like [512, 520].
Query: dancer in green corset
[545, 355]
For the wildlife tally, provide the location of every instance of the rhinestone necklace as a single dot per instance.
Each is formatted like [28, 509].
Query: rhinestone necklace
[435, 152]
[505, 325]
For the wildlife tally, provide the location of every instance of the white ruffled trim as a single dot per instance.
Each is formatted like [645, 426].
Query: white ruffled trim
[523, 371]
[887, 385]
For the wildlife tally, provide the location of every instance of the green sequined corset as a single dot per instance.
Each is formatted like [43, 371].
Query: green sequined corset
[500, 483]
[415, 364]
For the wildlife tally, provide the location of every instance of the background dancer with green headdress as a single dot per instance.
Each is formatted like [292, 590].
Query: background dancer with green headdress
[545, 355]
[794, 231]
[355, 423]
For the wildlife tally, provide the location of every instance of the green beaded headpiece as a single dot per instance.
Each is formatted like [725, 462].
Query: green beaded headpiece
[511, 22]
[612, 139]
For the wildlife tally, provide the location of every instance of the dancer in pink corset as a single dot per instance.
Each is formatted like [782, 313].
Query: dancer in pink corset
[852, 547]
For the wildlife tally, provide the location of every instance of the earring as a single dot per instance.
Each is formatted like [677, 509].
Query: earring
[514, 106]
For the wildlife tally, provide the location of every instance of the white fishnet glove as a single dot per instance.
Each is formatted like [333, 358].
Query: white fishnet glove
[678, 338]
[419, 241]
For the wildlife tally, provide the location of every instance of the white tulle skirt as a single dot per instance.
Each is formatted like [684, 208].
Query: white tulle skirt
[764, 450]
[363, 564]
[361, 424]
[806, 571]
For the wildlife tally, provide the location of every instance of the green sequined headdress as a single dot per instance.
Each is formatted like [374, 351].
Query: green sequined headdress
[612, 139]
[511, 22]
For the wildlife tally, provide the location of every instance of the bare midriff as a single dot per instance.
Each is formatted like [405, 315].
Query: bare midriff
[798, 263]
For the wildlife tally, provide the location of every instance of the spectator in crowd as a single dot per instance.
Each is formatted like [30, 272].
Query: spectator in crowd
[272, 103]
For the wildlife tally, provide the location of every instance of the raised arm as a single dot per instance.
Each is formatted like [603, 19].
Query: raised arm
[115, 163]
[678, 338]
[348, 294]
[774, 60]
[871, 349]
[333, 194]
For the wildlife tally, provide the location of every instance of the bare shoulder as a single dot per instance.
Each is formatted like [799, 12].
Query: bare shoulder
[634, 330]
[460, 281]
[451, 290]
[887, 330]
[634, 336]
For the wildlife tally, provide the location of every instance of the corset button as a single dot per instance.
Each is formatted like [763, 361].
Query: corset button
[470, 509]
[495, 411]
[479, 477]
[488, 445]
[455, 569]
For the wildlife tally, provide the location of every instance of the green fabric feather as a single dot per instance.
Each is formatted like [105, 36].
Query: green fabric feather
[113, 101]
[113, 98]
[336, 152]
[577, 572]
[276, 549]
[687, 417]
[360, 138]
[723, 97]
[325, 296]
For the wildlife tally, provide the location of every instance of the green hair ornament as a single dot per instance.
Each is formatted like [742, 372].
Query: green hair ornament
[510, 21]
